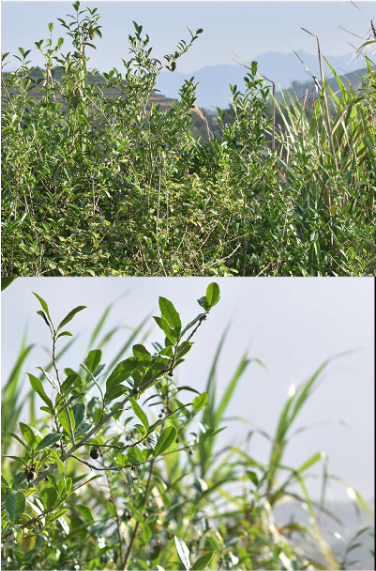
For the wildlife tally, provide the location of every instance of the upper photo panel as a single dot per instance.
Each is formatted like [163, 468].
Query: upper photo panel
[188, 138]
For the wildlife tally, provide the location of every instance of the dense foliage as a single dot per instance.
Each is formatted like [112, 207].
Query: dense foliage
[98, 180]
[126, 469]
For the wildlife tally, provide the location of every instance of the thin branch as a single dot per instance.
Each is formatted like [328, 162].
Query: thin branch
[138, 523]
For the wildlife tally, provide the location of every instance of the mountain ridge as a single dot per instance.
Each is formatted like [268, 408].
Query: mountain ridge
[213, 88]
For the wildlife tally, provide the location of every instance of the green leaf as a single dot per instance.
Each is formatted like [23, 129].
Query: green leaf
[17, 480]
[165, 440]
[253, 477]
[19, 440]
[192, 323]
[15, 505]
[56, 515]
[169, 313]
[146, 534]
[183, 552]
[44, 317]
[115, 393]
[5, 282]
[121, 372]
[184, 348]
[111, 509]
[48, 441]
[140, 428]
[156, 369]
[230, 389]
[135, 455]
[79, 411]
[142, 355]
[30, 434]
[82, 429]
[49, 497]
[204, 303]
[212, 294]
[51, 379]
[200, 402]
[46, 410]
[59, 463]
[162, 324]
[202, 562]
[44, 305]
[93, 359]
[70, 316]
[85, 512]
[312, 460]
[64, 334]
[140, 413]
[64, 420]
[38, 387]
[122, 459]
[71, 378]
[50, 26]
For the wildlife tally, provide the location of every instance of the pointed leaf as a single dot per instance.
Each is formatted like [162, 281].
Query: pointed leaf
[15, 505]
[202, 562]
[170, 334]
[165, 440]
[5, 282]
[93, 359]
[43, 304]
[200, 401]
[49, 497]
[64, 334]
[70, 316]
[121, 372]
[30, 434]
[53, 381]
[48, 441]
[183, 552]
[169, 313]
[38, 387]
[192, 323]
[115, 393]
[140, 413]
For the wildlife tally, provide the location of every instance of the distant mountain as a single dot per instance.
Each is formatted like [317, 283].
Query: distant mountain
[213, 88]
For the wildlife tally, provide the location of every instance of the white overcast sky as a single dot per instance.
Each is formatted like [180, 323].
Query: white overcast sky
[292, 325]
[247, 29]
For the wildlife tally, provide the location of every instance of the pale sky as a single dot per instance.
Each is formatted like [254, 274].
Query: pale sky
[247, 29]
[292, 325]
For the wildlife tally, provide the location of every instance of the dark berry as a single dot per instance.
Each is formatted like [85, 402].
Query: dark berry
[94, 453]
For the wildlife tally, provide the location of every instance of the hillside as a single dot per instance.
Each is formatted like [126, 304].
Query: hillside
[213, 88]
[297, 90]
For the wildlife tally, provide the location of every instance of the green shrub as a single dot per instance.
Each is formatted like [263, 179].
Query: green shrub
[98, 180]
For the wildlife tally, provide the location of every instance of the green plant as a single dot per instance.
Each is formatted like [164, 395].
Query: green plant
[108, 476]
[98, 179]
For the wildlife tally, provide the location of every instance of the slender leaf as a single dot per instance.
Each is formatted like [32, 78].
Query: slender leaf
[183, 552]
[166, 439]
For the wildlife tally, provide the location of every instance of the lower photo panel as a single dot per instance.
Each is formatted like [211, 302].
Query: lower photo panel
[187, 423]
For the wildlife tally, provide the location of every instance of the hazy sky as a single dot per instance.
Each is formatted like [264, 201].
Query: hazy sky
[292, 325]
[247, 29]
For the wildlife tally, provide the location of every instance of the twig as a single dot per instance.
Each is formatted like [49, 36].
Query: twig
[112, 498]
[138, 523]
